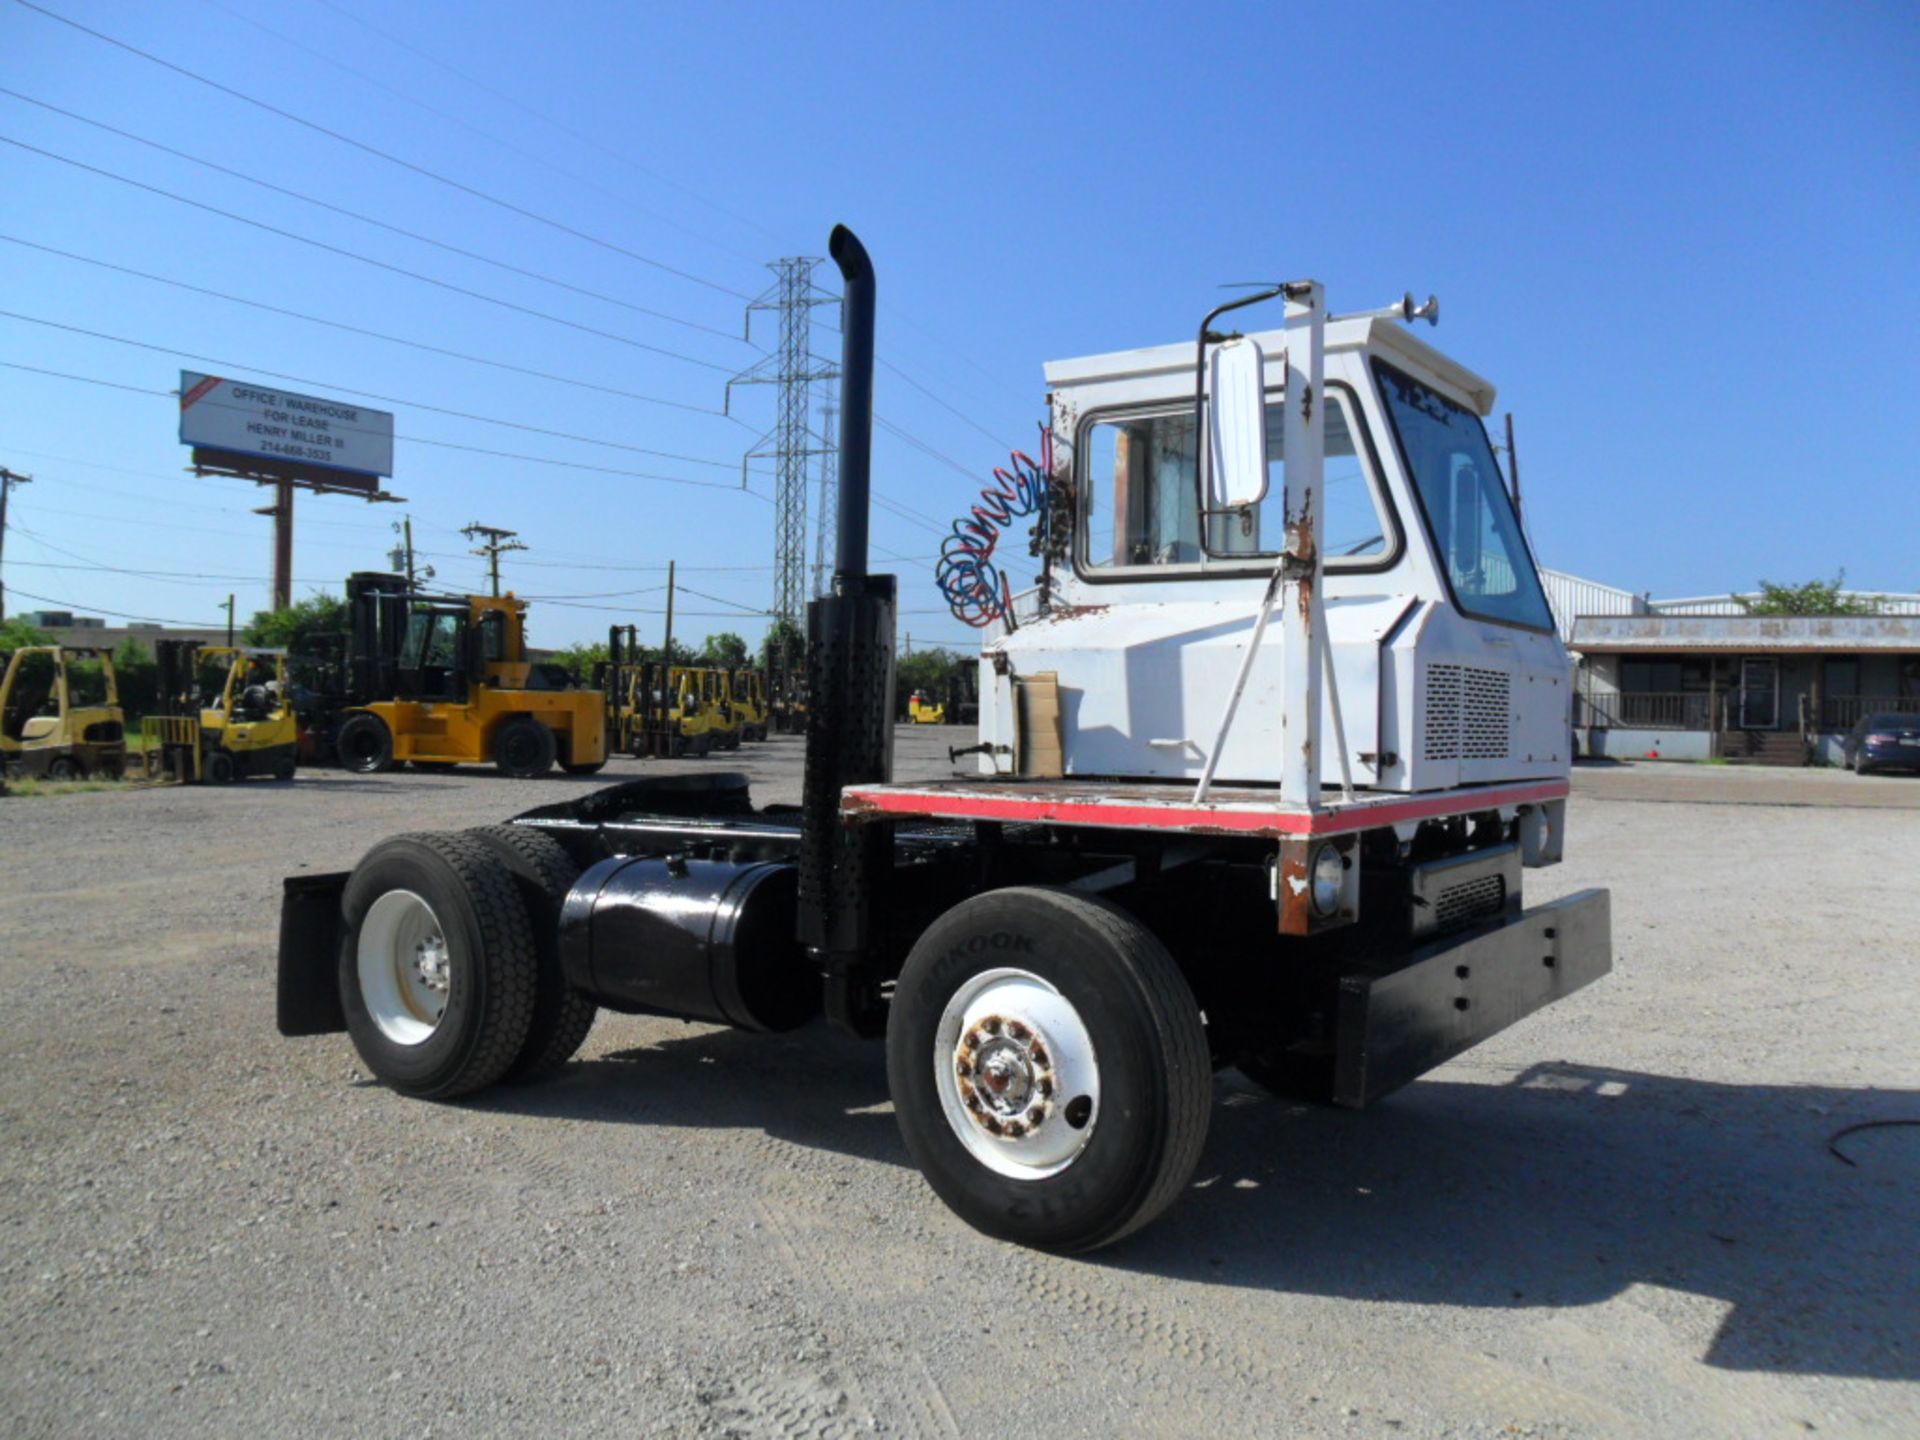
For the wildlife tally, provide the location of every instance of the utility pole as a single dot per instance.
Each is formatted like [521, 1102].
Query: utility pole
[401, 556]
[666, 651]
[498, 542]
[229, 620]
[8, 479]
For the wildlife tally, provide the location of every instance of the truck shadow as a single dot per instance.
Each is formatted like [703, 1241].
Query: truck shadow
[1564, 1187]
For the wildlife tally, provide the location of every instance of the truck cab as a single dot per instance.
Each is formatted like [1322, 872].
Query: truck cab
[1442, 664]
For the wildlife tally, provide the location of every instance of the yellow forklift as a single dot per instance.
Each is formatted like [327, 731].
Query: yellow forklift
[226, 714]
[440, 681]
[660, 711]
[715, 698]
[750, 703]
[60, 716]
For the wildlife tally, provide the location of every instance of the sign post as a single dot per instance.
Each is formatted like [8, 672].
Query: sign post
[289, 441]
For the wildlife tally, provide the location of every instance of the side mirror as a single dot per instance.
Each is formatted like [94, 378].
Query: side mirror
[1237, 425]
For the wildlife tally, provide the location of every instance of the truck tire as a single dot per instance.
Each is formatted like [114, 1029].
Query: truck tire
[562, 1016]
[365, 745]
[438, 968]
[524, 749]
[1048, 1068]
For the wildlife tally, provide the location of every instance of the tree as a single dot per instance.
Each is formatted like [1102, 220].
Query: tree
[786, 643]
[16, 634]
[725, 651]
[1810, 597]
[926, 670]
[290, 628]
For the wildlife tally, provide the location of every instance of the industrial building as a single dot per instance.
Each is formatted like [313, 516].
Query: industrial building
[1699, 678]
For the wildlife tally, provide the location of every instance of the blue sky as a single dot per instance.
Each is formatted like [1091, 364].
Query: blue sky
[1682, 239]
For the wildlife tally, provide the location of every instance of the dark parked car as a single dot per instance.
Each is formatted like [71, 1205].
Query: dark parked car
[1887, 741]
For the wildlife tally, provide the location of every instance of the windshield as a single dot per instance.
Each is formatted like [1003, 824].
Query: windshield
[1467, 509]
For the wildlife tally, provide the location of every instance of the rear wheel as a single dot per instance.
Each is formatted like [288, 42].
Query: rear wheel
[365, 745]
[285, 769]
[1048, 1068]
[562, 1016]
[438, 968]
[524, 749]
[63, 767]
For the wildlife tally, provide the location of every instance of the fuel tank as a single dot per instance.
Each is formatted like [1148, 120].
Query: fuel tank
[699, 939]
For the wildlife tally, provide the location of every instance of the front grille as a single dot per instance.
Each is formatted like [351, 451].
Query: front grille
[1472, 900]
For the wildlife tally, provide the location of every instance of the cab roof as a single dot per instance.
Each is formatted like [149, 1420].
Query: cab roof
[1389, 338]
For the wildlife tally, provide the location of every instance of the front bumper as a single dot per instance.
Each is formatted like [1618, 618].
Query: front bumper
[1451, 995]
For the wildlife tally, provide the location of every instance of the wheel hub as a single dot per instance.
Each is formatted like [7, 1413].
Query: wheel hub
[1003, 1071]
[1018, 1078]
[430, 963]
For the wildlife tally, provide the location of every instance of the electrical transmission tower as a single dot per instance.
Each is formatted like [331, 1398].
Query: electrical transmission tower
[823, 525]
[791, 442]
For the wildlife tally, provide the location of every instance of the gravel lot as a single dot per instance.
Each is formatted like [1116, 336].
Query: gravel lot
[1619, 1218]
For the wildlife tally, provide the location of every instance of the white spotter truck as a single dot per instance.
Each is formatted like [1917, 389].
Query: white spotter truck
[1264, 756]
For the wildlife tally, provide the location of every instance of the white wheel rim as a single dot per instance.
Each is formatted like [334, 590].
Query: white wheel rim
[406, 970]
[1018, 1079]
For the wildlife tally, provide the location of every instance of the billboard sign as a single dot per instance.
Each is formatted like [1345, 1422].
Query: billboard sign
[243, 418]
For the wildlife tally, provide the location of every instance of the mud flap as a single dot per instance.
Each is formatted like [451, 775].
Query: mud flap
[308, 998]
[1455, 993]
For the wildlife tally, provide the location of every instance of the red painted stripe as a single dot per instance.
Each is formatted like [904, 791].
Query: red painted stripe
[1120, 815]
[200, 391]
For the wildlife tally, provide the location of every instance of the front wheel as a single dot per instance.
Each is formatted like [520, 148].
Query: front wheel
[63, 767]
[1049, 1068]
[524, 749]
[365, 745]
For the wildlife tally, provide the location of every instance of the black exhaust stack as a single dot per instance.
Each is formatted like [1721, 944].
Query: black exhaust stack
[849, 696]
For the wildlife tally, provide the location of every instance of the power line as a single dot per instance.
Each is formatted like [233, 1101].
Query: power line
[422, 440]
[359, 330]
[374, 220]
[111, 610]
[952, 410]
[386, 155]
[342, 251]
[581, 136]
[370, 394]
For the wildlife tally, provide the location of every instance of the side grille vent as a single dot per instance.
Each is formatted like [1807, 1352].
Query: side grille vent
[1484, 721]
[1468, 713]
[1440, 725]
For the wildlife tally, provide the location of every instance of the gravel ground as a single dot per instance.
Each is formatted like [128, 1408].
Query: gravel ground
[1619, 1218]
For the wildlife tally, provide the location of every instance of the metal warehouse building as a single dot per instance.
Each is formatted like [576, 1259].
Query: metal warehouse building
[1697, 677]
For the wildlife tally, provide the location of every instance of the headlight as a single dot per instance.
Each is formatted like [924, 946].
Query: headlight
[1329, 878]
